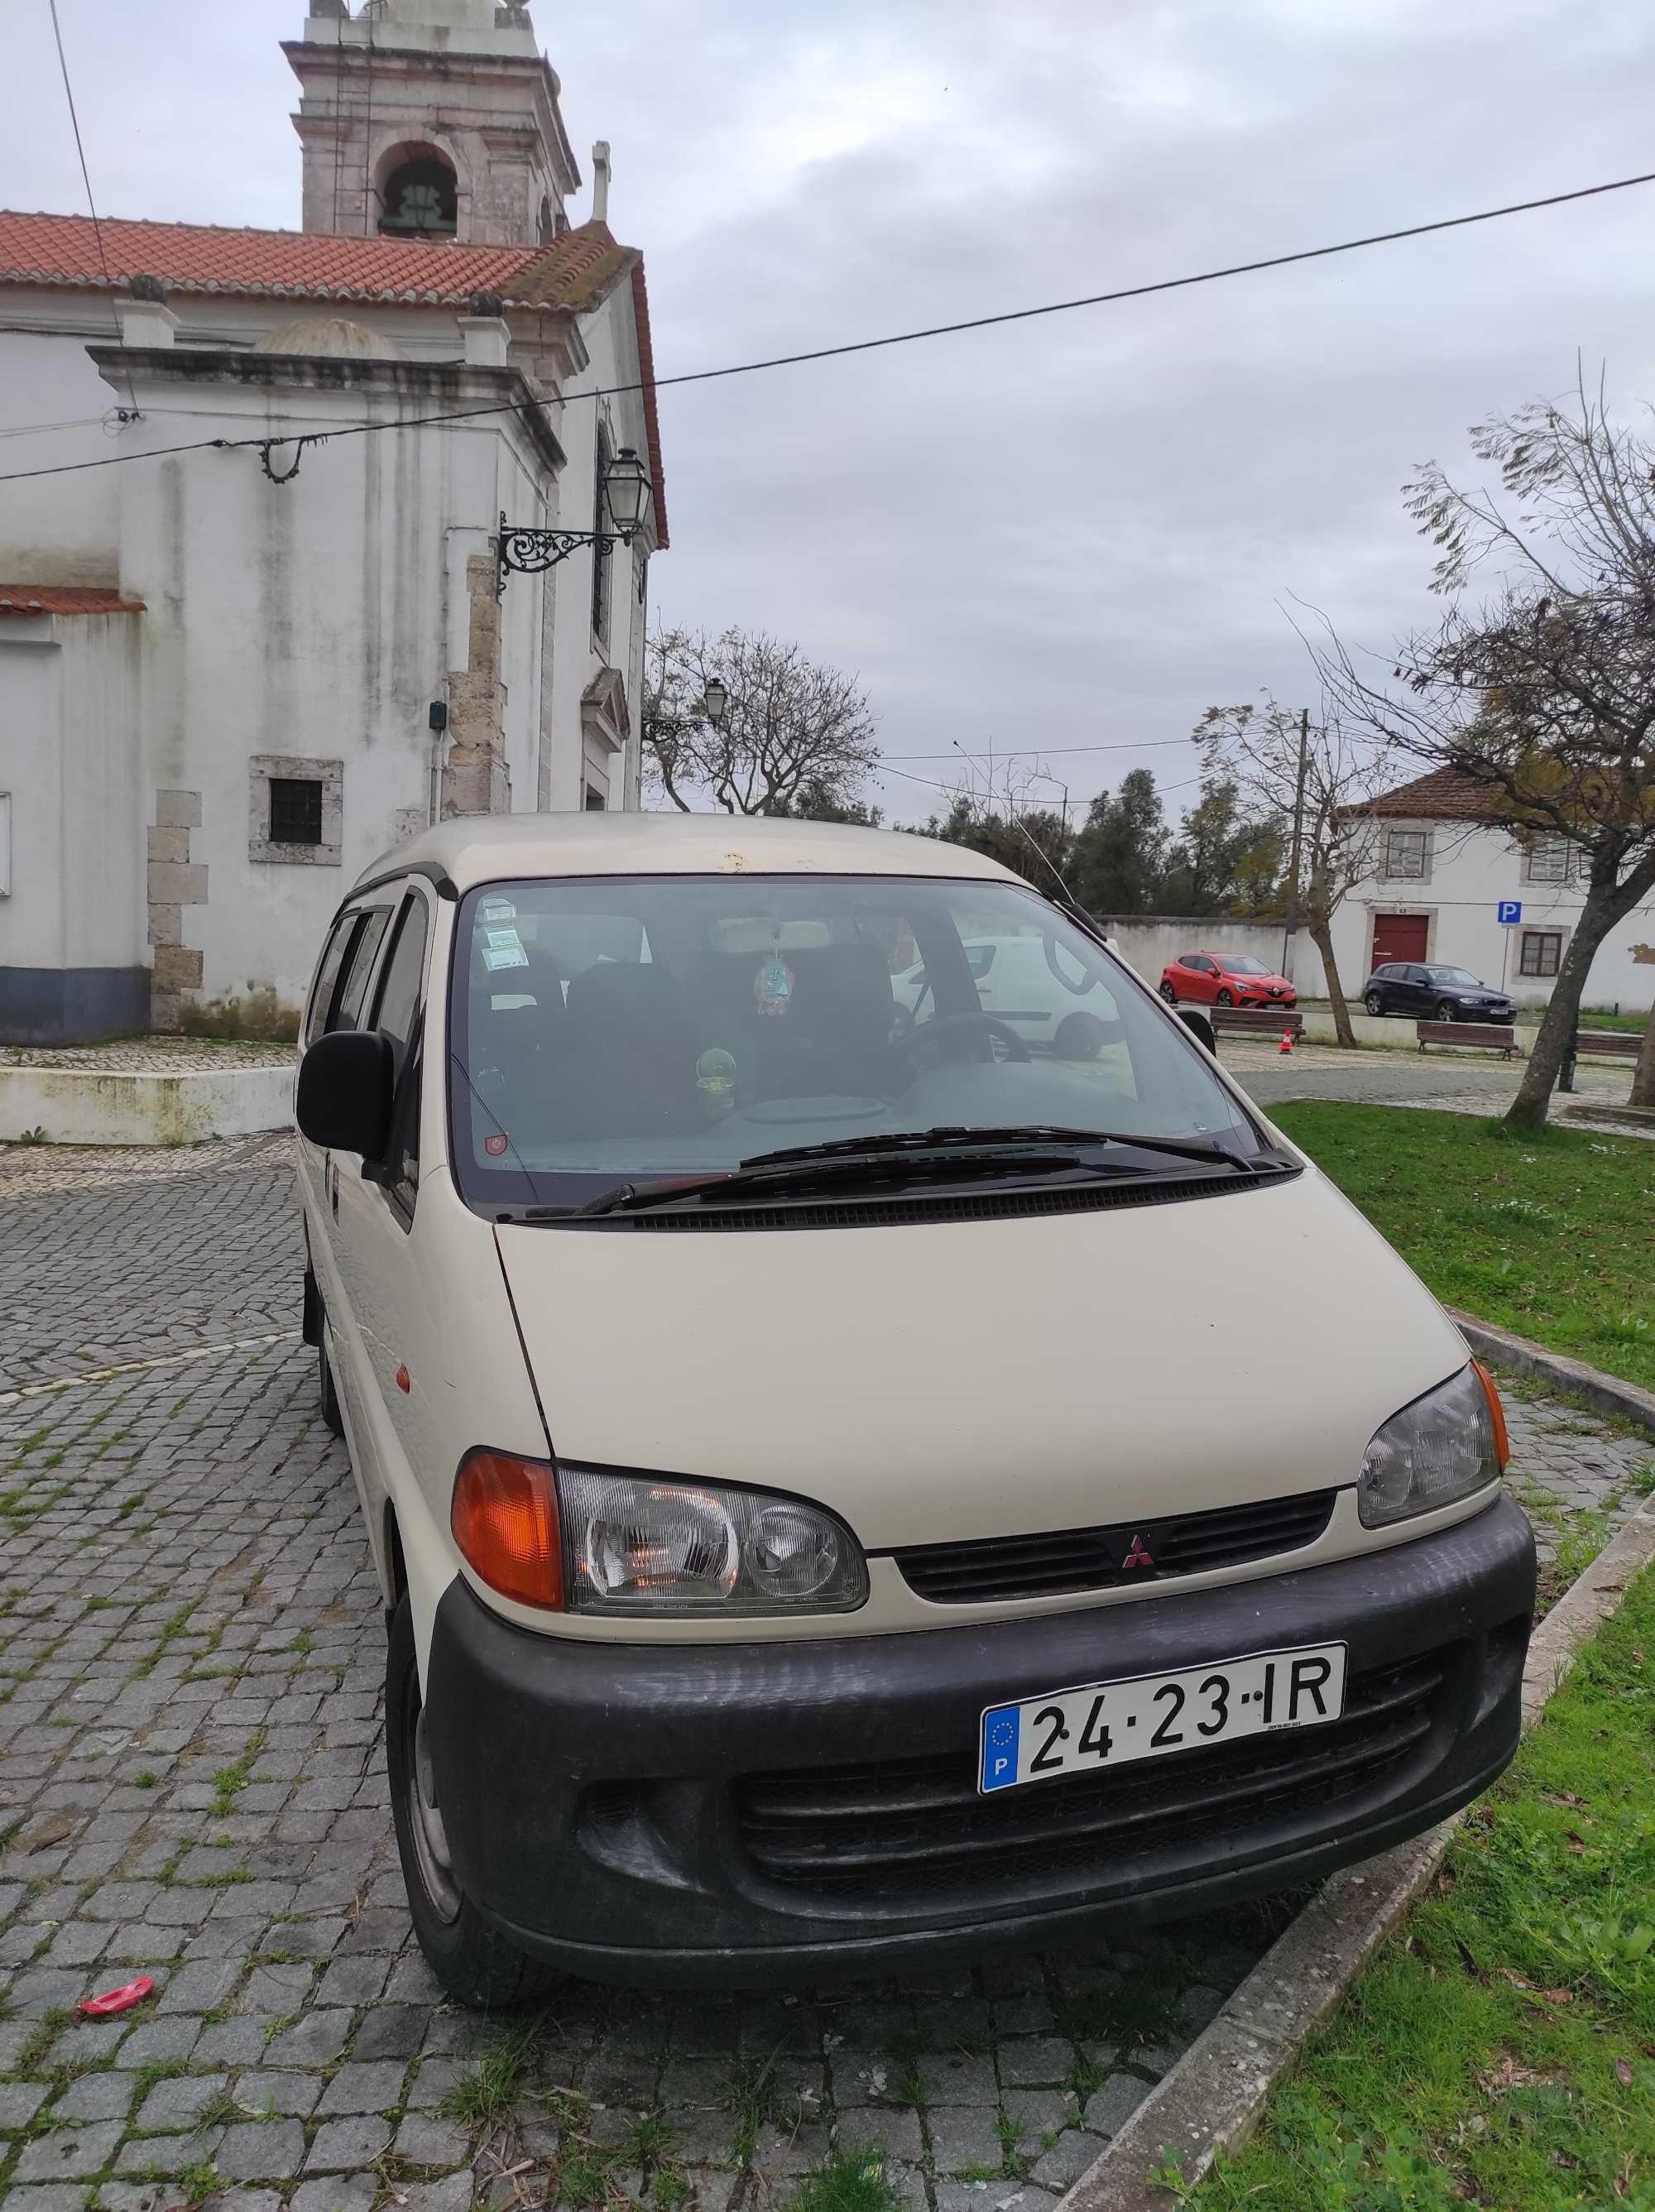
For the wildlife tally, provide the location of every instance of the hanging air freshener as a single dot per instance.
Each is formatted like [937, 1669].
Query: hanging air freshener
[773, 986]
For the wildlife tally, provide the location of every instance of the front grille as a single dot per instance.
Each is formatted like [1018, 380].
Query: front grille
[894, 1828]
[714, 1214]
[1060, 1562]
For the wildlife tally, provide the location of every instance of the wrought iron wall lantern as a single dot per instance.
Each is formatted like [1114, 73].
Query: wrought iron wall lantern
[714, 708]
[627, 493]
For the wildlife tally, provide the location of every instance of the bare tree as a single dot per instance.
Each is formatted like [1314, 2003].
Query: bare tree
[1544, 694]
[793, 732]
[1265, 750]
[1643, 1074]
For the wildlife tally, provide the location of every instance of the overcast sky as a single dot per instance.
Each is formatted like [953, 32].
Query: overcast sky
[1073, 533]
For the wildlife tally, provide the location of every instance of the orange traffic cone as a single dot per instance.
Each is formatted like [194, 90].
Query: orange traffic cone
[1286, 1044]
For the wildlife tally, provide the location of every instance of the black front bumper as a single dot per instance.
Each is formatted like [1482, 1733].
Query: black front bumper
[711, 1813]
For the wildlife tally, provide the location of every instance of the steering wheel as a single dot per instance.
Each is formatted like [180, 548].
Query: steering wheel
[1015, 1048]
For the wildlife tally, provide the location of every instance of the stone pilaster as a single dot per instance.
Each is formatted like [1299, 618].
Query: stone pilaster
[474, 778]
[175, 881]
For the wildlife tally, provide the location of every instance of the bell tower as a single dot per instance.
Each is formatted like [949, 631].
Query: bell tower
[430, 119]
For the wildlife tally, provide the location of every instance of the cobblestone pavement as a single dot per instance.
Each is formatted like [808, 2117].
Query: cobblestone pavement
[1453, 1082]
[151, 1055]
[192, 1786]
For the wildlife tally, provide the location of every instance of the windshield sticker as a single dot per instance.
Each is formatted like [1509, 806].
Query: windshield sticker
[495, 1146]
[497, 910]
[773, 986]
[504, 948]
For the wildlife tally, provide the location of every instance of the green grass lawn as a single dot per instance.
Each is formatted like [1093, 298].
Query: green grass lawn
[1553, 1236]
[1500, 2050]
[1528, 1017]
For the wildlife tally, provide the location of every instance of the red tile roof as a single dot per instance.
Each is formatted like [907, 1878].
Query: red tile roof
[63, 599]
[1446, 794]
[62, 249]
[573, 274]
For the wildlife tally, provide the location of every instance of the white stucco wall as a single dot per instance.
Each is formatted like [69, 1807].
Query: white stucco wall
[71, 759]
[1151, 942]
[316, 619]
[577, 654]
[1472, 869]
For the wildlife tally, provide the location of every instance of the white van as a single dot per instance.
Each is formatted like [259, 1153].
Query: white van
[846, 1487]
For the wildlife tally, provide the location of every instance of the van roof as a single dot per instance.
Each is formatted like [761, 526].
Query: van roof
[484, 849]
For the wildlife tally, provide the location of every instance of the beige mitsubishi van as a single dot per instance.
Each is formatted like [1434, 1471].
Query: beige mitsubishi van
[855, 1476]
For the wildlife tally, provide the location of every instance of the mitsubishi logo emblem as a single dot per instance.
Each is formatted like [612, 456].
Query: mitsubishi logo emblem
[1139, 1556]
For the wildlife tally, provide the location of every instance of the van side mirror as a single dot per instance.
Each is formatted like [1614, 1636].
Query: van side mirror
[344, 1098]
[1192, 1017]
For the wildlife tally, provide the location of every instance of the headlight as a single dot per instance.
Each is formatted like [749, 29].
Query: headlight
[637, 1544]
[1443, 1446]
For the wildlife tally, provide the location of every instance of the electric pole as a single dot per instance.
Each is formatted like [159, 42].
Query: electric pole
[1291, 930]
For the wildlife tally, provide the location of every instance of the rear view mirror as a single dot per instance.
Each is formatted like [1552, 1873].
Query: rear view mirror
[344, 1101]
[1192, 1017]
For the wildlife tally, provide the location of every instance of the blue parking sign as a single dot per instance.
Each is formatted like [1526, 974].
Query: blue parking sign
[1510, 911]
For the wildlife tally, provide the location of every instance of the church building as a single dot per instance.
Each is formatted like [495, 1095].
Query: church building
[267, 602]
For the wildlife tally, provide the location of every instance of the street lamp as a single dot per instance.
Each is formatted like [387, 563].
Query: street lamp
[627, 492]
[714, 708]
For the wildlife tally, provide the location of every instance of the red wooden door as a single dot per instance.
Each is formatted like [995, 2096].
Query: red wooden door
[1399, 937]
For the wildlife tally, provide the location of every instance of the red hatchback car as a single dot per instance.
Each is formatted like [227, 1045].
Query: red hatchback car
[1224, 979]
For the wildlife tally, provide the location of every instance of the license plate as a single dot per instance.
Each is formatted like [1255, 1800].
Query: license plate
[1147, 1716]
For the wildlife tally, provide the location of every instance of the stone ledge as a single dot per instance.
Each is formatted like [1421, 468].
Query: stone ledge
[1604, 1393]
[98, 1106]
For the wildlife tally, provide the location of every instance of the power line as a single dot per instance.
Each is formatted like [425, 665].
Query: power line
[86, 179]
[895, 338]
[1059, 752]
[958, 790]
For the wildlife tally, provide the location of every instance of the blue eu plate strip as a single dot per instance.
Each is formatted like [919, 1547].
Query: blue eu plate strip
[1000, 1729]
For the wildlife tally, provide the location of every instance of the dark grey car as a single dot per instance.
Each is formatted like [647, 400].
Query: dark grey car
[1433, 991]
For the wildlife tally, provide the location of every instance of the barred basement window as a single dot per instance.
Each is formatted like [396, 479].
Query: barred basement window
[1541, 953]
[295, 811]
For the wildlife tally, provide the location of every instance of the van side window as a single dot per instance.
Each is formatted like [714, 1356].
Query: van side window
[404, 973]
[347, 1014]
[400, 1016]
[327, 975]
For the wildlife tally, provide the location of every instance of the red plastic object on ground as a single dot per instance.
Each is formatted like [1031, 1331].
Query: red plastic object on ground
[117, 2000]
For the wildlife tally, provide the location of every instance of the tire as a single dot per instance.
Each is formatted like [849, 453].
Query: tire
[470, 1959]
[1169, 994]
[1225, 998]
[1078, 1036]
[1447, 1010]
[331, 1417]
[1374, 1002]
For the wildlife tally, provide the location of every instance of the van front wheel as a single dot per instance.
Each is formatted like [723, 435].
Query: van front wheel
[470, 1959]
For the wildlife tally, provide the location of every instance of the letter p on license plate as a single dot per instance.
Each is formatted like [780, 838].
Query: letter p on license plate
[1147, 1716]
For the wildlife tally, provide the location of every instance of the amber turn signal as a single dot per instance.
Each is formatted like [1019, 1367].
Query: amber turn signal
[504, 1518]
[1497, 1414]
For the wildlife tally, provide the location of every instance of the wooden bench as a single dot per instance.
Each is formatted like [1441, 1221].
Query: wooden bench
[1603, 1044]
[1491, 1037]
[1610, 1044]
[1255, 1021]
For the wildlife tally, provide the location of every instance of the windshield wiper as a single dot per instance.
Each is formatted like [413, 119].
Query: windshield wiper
[1031, 1136]
[900, 1156]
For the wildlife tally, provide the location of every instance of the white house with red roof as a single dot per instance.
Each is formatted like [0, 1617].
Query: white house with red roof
[1451, 883]
[253, 628]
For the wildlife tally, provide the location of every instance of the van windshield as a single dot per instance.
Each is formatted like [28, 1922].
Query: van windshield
[616, 1028]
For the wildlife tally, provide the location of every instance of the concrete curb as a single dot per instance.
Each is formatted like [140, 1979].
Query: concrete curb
[1215, 2094]
[1604, 1393]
